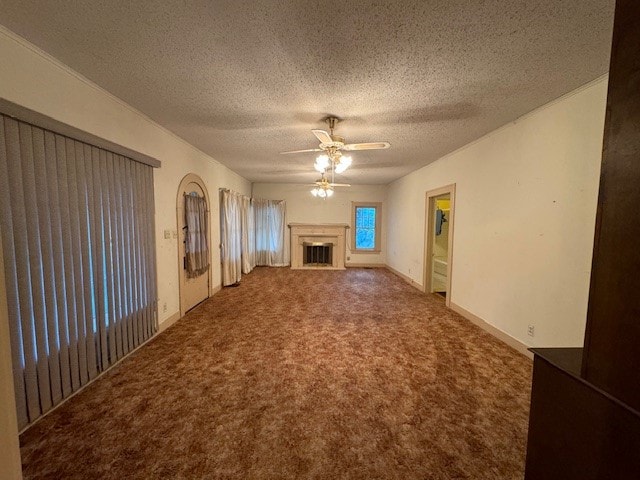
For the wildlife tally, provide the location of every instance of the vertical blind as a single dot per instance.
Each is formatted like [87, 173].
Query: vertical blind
[77, 225]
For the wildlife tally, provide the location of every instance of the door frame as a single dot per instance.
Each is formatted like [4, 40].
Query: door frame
[430, 232]
[187, 179]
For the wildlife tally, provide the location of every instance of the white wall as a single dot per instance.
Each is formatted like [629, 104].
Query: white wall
[33, 79]
[302, 207]
[525, 207]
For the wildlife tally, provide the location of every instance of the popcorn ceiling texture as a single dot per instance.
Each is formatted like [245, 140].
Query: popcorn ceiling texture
[245, 80]
[282, 378]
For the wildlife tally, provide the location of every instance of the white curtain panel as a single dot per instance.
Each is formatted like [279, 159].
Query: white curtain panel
[270, 232]
[248, 235]
[231, 235]
[196, 246]
[253, 233]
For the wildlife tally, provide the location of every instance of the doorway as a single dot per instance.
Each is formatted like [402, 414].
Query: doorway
[440, 206]
[193, 289]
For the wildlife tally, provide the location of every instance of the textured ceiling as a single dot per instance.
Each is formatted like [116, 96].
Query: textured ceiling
[244, 80]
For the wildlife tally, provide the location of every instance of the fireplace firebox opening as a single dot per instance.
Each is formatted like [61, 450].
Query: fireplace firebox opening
[317, 254]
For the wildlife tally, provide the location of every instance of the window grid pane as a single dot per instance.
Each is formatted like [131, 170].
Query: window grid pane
[365, 228]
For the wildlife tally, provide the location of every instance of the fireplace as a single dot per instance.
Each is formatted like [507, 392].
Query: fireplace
[317, 254]
[320, 246]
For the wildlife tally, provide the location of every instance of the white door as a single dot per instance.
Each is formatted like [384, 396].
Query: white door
[193, 290]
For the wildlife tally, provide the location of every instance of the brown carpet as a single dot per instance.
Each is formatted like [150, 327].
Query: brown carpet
[300, 374]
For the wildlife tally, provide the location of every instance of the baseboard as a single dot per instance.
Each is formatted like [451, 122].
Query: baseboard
[407, 279]
[365, 265]
[496, 332]
[168, 322]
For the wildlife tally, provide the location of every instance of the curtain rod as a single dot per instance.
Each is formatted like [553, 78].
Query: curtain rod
[251, 197]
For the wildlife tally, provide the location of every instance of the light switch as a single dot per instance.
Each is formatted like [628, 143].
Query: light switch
[167, 234]
[175, 234]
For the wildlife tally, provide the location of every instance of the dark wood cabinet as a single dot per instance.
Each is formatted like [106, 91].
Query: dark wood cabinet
[577, 430]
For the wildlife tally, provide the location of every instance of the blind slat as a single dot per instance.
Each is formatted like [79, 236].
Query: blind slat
[11, 276]
[38, 320]
[98, 259]
[115, 254]
[143, 253]
[122, 248]
[23, 284]
[77, 347]
[151, 252]
[79, 225]
[108, 260]
[126, 237]
[66, 330]
[134, 258]
[48, 278]
[90, 278]
[86, 342]
[57, 251]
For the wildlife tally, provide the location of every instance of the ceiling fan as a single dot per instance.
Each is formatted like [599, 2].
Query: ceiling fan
[332, 145]
[324, 188]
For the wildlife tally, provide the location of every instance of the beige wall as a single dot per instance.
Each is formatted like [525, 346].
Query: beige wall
[524, 219]
[302, 207]
[39, 82]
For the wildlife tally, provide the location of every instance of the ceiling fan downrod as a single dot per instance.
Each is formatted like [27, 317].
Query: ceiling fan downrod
[332, 123]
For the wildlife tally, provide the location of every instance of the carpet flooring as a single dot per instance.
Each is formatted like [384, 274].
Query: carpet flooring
[300, 374]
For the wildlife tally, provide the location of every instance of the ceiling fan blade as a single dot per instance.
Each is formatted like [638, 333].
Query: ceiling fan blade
[367, 146]
[339, 185]
[323, 136]
[302, 151]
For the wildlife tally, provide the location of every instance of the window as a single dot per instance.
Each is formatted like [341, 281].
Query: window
[365, 220]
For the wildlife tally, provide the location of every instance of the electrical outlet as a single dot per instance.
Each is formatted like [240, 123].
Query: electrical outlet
[175, 234]
[164, 307]
[167, 234]
[348, 258]
[531, 330]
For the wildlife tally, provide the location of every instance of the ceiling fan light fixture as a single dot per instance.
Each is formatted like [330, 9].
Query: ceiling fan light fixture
[342, 164]
[322, 189]
[319, 192]
[322, 162]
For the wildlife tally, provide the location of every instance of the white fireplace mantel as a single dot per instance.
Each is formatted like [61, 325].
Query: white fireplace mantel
[334, 233]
